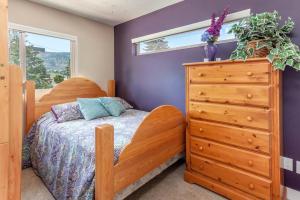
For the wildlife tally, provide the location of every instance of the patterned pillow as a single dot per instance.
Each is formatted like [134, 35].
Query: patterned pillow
[122, 101]
[66, 112]
[114, 107]
[91, 108]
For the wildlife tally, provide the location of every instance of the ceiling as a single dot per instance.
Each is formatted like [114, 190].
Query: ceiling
[110, 12]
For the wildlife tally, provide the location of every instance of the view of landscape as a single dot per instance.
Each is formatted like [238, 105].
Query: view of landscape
[47, 59]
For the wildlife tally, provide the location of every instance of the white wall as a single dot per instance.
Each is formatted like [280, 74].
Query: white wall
[95, 40]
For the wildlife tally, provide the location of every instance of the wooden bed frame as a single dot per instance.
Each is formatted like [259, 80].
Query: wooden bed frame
[159, 137]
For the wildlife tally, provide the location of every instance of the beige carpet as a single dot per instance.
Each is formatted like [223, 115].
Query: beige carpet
[168, 185]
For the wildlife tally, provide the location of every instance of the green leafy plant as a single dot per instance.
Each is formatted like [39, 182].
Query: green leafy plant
[58, 78]
[264, 28]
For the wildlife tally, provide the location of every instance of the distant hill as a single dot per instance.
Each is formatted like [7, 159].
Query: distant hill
[55, 61]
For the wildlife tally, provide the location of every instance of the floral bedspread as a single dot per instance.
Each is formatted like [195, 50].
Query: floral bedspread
[63, 154]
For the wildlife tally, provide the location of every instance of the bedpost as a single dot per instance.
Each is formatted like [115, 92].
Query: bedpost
[30, 104]
[111, 88]
[104, 162]
[15, 132]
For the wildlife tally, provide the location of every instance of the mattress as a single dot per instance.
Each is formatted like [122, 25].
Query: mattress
[63, 154]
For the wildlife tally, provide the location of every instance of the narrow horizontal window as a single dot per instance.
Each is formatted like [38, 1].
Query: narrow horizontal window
[185, 37]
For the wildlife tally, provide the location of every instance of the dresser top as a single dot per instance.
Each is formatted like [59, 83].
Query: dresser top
[224, 62]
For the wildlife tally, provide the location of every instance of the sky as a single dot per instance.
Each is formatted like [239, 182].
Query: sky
[51, 44]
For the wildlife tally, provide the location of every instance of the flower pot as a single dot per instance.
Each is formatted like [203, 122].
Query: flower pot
[258, 53]
[211, 51]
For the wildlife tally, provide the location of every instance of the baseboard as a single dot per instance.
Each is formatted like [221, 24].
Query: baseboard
[292, 194]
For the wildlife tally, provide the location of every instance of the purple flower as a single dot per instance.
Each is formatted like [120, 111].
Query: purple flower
[213, 32]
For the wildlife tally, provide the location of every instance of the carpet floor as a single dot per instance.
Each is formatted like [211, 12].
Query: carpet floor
[167, 186]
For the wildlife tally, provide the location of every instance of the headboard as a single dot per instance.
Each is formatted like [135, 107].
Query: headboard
[66, 91]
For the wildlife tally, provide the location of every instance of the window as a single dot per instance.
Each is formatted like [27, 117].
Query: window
[14, 46]
[185, 37]
[45, 59]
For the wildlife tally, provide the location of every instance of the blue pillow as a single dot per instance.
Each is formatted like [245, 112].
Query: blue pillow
[114, 107]
[91, 108]
[122, 101]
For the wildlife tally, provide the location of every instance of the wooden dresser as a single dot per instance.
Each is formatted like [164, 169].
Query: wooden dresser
[233, 134]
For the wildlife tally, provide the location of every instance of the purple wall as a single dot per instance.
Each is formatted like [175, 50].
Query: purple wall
[151, 80]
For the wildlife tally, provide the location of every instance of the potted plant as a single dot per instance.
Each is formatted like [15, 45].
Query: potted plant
[212, 34]
[261, 35]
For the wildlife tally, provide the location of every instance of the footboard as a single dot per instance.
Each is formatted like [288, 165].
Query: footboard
[159, 137]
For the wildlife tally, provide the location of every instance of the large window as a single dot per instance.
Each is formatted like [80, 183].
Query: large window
[45, 59]
[185, 37]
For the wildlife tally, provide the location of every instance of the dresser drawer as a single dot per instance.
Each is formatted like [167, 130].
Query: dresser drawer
[233, 94]
[231, 73]
[238, 115]
[241, 137]
[239, 179]
[232, 156]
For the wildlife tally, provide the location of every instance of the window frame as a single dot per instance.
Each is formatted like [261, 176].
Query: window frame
[28, 29]
[191, 27]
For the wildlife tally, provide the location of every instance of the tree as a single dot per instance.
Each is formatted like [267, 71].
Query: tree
[14, 54]
[58, 78]
[157, 44]
[36, 70]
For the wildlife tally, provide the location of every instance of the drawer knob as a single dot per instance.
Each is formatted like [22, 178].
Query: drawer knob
[249, 118]
[249, 96]
[201, 148]
[250, 163]
[251, 186]
[200, 111]
[201, 167]
[250, 141]
[250, 73]
[201, 129]
[200, 74]
[201, 93]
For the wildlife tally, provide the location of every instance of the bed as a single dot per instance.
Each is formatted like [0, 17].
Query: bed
[116, 154]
